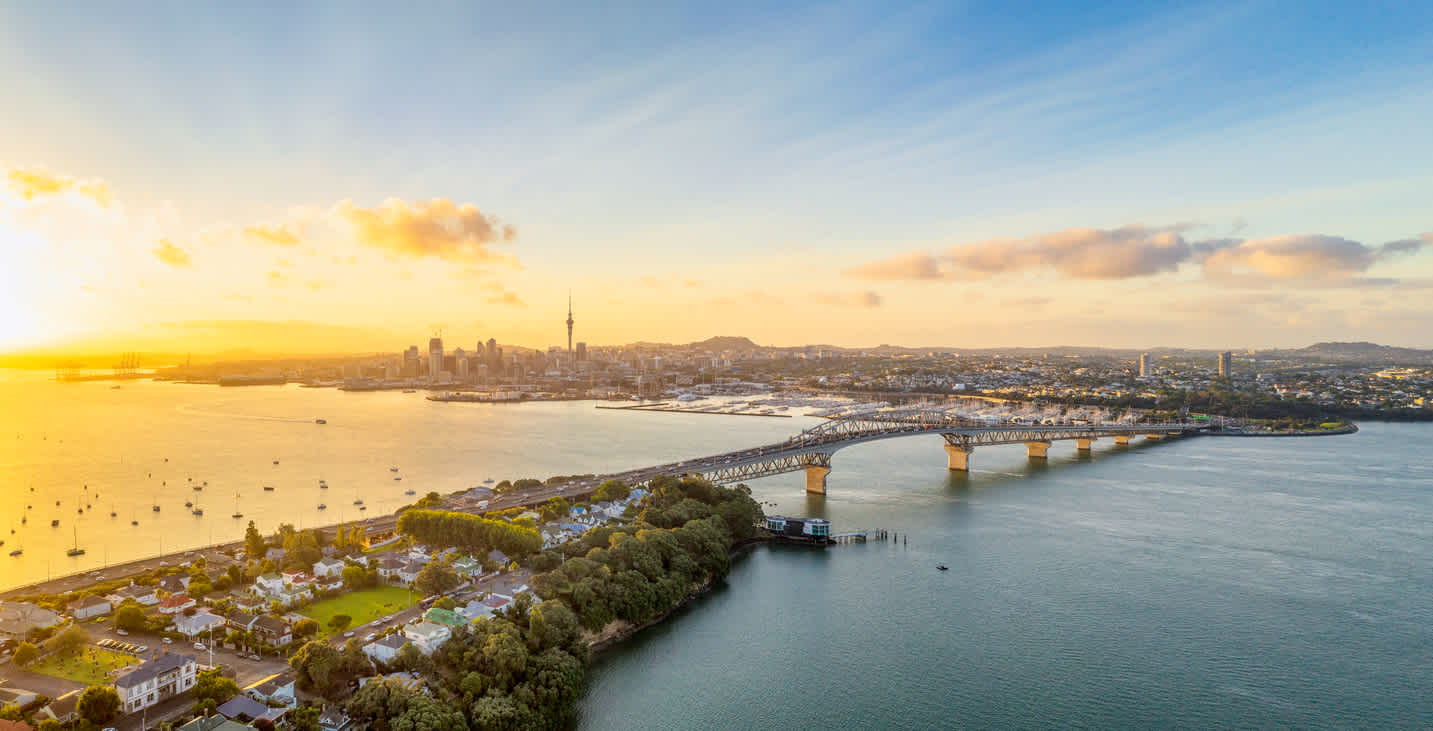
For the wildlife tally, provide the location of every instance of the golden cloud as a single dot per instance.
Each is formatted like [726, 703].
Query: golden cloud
[865, 299]
[278, 235]
[438, 228]
[172, 255]
[32, 183]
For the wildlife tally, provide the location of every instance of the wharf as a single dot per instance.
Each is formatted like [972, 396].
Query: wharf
[660, 407]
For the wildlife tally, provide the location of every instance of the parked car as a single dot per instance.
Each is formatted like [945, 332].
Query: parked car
[200, 646]
[121, 633]
[141, 649]
[166, 641]
[371, 636]
[348, 634]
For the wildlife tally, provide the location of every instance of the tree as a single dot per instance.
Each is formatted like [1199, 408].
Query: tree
[555, 508]
[254, 544]
[552, 624]
[129, 617]
[339, 621]
[211, 685]
[446, 602]
[611, 490]
[50, 724]
[99, 704]
[303, 718]
[305, 627]
[316, 666]
[437, 577]
[25, 654]
[71, 638]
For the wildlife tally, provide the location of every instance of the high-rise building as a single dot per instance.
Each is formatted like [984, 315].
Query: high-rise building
[435, 359]
[411, 362]
[582, 351]
[460, 365]
[1226, 364]
[494, 358]
[1144, 365]
[569, 326]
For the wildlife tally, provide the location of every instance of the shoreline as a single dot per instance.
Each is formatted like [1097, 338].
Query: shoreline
[1350, 428]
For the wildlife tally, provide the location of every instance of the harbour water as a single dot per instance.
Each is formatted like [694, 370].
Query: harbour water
[1202, 582]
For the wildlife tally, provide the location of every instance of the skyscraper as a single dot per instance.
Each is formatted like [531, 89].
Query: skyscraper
[582, 351]
[569, 326]
[1226, 364]
[1144, 365]
[435, 359]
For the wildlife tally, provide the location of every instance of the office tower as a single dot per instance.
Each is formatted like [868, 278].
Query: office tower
[582, 351]
[435, 359]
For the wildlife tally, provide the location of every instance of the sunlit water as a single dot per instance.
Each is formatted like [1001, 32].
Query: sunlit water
[1203, 582]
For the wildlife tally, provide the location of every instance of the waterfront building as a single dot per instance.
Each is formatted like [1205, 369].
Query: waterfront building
[155, 681]
[89, 606]
[798, 527]
[435, 359]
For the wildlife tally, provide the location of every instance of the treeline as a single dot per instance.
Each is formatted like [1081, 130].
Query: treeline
[638, 572]
[471, 533]
[524, 669]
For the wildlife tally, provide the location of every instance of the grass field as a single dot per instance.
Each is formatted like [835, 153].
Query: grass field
[364, 606]
[88, 665]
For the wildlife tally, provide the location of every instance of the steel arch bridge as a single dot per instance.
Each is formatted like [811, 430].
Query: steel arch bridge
[811, 450]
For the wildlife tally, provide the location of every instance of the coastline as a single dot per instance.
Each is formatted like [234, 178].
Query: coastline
[1347, 429]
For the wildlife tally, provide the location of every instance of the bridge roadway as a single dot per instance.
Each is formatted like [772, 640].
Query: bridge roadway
[811, 450]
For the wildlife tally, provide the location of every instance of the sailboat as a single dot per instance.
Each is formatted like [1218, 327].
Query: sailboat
[133, 519]
[236, 514]
[76, 551]
[17, 552]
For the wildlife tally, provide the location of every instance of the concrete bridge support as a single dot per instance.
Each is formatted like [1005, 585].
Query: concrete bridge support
[816, 479]
[1123, 439]
[1036, 450]
[958, 457]
[1083, 444]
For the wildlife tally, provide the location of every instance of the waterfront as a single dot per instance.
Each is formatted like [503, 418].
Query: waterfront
[1198, 582]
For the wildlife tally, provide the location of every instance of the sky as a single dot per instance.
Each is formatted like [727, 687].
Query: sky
[312, 176]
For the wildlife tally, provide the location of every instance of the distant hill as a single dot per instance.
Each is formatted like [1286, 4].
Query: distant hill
[726, 342]
[1363, 351]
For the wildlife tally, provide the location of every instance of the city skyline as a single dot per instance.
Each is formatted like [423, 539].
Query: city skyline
[1221, 176]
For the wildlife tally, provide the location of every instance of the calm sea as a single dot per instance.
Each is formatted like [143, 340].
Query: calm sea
[1203, 582]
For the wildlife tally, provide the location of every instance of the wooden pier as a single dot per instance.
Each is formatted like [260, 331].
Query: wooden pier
[861, 536]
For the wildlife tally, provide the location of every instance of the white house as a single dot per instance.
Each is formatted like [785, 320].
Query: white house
[485, 607]
[328, 567]
[270, 583]
[90, 606]
[385, 648]
[198, 624]
[177, 604]
[143, 594]
[278, 688]
[427, 636]
[155, 681]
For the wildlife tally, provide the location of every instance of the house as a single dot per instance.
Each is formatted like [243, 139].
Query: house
[176, 604]
[274, 554]
[241, 620]
[485, 607]
[154, 681]
[445, 617]
[143, 594]
[577, 511]
[18, 618]
[468, 566]
[385, 648]
[334, 719]
[295, 577]
[242, 707]
[89, 606]
[174, 583]
[409, 572]
[198, 624]
[388, 566]
[17, 696]
[273, 630]
[427, 636]
[60, 710]
[328, 567]
[251, 604]
[499, 558]
[215, 723]
[271, 584]
[278, 688]
[419, 553]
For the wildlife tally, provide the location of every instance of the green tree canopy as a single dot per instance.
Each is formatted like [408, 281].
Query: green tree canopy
[211, 685]
[98, 704]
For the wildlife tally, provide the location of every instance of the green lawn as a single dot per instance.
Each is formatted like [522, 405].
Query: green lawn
[88, 665]
[364, 606]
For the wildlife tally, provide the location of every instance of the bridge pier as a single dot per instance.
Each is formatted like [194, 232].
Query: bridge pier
[958, 458]
[1083, 444]
[1122, 440]
[1036, 450]
[1154, 437]
[816, 479]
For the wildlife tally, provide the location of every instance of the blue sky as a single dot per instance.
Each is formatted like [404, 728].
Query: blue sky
[747, 145]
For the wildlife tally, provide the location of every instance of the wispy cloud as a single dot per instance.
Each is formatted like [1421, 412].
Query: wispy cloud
[496, 294]
[867, 299]
[172, 255]
[34, 183]
[1314, 258]
[439, 228]
[279, 235]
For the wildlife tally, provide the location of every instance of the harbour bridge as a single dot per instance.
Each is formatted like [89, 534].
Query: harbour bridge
[811, 450]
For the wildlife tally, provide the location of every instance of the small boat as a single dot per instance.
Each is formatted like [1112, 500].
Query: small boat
[488, 481]
[276, 461]
[410, 492]
[76, 551]
[320, 421]
[188, 503]
[17, 552]
[156, 507]
[942, 567]
[358, 501]
[322, 506]
[409, 390]
[323, 485]
[55, 523]
[268, 488]
[363, 507]
[198, 488]
[397, 478]
[134, 522]
[390, 469]
[198, 511]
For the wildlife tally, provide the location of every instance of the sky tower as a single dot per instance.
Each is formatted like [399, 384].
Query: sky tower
[569, 326]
